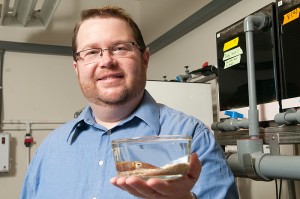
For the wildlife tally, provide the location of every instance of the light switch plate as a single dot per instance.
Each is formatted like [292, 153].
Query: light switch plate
[4, 152]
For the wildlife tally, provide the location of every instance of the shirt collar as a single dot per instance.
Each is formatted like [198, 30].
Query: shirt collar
[148, 111]
[83, 119]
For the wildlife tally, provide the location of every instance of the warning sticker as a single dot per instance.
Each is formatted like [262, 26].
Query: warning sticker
[288, 17]
[230, 44]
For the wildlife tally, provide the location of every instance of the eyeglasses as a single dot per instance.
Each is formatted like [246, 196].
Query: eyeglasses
[117, 50]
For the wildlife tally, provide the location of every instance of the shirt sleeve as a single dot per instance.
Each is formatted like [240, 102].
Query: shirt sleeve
[31, 181]
[216, 179]
[26, 192]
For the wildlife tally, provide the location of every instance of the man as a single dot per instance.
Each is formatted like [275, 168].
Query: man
[76, 161]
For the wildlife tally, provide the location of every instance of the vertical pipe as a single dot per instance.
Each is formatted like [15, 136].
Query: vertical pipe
[253, 112]
[28, 132]
[1, 85]
[27, 156]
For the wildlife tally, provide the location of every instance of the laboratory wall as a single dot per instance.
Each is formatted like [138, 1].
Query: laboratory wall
[199, 46]
[40, 92]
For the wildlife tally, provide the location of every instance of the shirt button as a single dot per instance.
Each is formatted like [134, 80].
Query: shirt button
[94, 198]
[108, 132]
[101, 162]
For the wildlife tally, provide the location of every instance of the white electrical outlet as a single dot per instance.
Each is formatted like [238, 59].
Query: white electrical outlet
[4, 152]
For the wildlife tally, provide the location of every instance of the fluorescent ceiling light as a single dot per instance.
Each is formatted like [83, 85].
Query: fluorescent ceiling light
[24, 13]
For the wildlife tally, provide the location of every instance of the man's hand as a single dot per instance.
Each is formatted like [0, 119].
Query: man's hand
[162, 189]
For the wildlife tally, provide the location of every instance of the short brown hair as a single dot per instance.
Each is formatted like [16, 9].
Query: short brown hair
[105, 12]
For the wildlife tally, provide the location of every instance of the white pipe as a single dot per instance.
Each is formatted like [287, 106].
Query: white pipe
[28, 128]
[28, 156]
[28, 132]
[29, 124]
[33, 121]
[23, 129]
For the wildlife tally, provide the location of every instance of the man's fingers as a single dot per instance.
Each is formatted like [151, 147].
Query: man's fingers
[195, 167]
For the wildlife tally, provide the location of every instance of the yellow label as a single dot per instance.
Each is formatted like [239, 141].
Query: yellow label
[288, 17]
[230, 44]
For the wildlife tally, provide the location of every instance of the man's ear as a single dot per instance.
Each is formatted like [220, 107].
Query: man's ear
[146, 56]
[75, 65]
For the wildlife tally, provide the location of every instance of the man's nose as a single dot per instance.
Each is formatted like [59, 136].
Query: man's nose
[106, 59]
[102, 52]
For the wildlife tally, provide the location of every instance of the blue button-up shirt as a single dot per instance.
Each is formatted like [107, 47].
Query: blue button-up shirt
[75, 161]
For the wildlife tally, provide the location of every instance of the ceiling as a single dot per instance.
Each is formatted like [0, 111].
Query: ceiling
[154, 17]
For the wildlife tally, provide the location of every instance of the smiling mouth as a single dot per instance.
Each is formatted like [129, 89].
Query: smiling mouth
[111, 77]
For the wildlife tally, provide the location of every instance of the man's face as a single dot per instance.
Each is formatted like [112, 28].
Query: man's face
[110, 80]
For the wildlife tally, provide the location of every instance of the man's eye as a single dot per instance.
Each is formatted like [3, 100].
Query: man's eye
[120, 48]
[91, 52]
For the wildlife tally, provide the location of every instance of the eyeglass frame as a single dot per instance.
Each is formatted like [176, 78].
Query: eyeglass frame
[106, 49]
